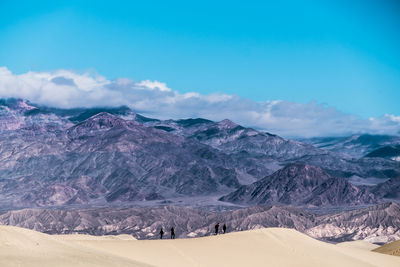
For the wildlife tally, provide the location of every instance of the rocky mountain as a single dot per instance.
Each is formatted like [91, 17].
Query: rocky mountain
[105, 159]
[98, 156]
[378, 224]
[274, 152]
[301, 184]
[335, 165]
[232, 138]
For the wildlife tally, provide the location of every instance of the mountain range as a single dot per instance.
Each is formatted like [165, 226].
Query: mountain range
[100, 156]
[113, 171]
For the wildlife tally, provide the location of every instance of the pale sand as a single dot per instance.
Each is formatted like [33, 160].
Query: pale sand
[264, 247]
[392, 248]
[359, 244]
[81, 237]
[23, 247]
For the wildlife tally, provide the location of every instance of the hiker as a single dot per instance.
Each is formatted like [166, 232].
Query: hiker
[161, 233]
[172, 233]
[216, 228]
[224, 228]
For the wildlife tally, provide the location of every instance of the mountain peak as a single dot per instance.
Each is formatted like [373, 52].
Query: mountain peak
[302, 169]
[227, 124]
[104, 120]
[100, 121]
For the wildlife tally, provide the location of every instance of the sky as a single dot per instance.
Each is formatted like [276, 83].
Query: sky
[295, 67]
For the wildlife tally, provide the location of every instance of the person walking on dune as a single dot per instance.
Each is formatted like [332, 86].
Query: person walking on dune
[172, 233]
[224, 228]
[216, 228]
[161, 233]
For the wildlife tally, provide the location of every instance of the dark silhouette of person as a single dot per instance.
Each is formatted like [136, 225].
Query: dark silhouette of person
[216, 228]
[172, 233]
[224, 228]
[161, 233]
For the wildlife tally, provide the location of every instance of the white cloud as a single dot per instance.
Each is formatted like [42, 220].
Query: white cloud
[67, 89]
[153, 85]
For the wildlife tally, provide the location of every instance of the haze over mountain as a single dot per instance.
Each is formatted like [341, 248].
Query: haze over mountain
[356, 146]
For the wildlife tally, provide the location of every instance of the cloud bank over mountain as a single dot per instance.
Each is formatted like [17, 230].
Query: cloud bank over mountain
[69, 89]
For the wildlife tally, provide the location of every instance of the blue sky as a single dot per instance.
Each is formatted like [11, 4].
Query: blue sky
[341, 53]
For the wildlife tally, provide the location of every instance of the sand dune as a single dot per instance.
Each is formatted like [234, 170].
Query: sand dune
[81, 237]
[392, 248]
[23, 247]
[264, 247]
[359, 244]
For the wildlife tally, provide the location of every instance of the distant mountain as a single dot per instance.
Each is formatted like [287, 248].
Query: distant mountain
[387, 152]
[274, 151]
[355, 146]
[301, 184]
[232, 138]
[388, 190]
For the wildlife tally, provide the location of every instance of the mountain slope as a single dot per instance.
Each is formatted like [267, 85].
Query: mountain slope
[387, 152]
[389, 189]
[232, 138]
[106, 158]
[270, 152]
[301, 184]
